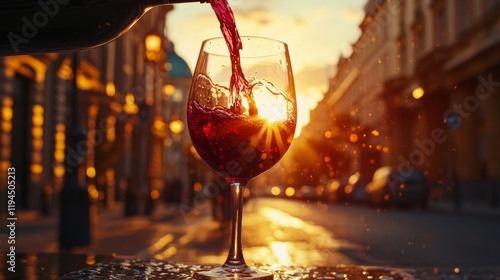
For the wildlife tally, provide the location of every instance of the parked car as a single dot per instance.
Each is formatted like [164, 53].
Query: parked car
[309, 193]
[392, 188]
[354, 191]
[334, 189]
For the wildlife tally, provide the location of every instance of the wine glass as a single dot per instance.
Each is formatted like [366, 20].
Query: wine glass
[241, 124]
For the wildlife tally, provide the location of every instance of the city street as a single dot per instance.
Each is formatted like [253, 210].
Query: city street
[290, 233]
[402, 238]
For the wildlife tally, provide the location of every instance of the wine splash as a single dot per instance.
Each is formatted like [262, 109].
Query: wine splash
[238, 85]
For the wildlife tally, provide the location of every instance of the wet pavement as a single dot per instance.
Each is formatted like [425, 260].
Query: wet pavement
[304, 239]
[80, 266]
[269, 236]
[140, 268]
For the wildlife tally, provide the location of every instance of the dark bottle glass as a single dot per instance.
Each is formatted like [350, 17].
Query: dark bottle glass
[34, 26]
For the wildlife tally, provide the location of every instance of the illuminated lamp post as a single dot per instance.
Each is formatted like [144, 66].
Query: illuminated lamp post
[158, 132]
[153, 44]
[177, 127]
[138, 197]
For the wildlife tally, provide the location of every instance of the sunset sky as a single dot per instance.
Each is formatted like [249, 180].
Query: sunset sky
[316, 31]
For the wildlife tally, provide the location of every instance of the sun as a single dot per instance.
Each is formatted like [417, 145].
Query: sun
[274, 107]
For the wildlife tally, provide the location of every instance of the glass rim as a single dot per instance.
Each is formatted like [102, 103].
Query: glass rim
[223, 51]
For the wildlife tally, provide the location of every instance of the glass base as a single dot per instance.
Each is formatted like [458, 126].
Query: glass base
[230, 273]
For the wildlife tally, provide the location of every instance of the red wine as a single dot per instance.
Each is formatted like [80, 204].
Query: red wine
[239, 86]
[34, 26]
[238, 147]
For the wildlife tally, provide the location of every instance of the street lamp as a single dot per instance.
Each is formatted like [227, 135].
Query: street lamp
[176, 126]
[153, 43]
[154, 53]
[417, 93]
[129, 106]
[158, 127]
[168, 90]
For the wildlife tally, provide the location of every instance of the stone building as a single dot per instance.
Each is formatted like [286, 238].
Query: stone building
[420, 91]
[115, 88]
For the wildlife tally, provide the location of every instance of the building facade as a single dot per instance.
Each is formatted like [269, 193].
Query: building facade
[420, 92]
[116, 88]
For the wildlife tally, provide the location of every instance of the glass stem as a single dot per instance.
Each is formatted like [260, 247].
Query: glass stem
[235, 257]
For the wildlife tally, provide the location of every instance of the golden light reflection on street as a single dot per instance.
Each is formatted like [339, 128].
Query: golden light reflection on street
[161, 243]
[280, 250]
[269, 236]
[275, 237]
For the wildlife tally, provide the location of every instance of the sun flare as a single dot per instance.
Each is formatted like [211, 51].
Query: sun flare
[271, 107]
[273, 131]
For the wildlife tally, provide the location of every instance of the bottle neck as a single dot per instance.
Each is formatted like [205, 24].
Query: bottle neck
[184, 1]
[152, 3]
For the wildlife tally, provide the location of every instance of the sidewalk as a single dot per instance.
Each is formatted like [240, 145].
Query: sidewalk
[111, 231]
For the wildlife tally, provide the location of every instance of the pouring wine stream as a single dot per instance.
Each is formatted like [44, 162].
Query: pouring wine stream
[239, 85]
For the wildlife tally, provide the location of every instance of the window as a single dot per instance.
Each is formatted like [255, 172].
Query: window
[439, 25]
[418, 39]
[465, 13]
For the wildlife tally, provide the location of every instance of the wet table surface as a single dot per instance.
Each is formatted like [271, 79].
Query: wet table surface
[71, 266]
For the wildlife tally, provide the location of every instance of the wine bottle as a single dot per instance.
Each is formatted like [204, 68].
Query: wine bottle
[35, 26]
